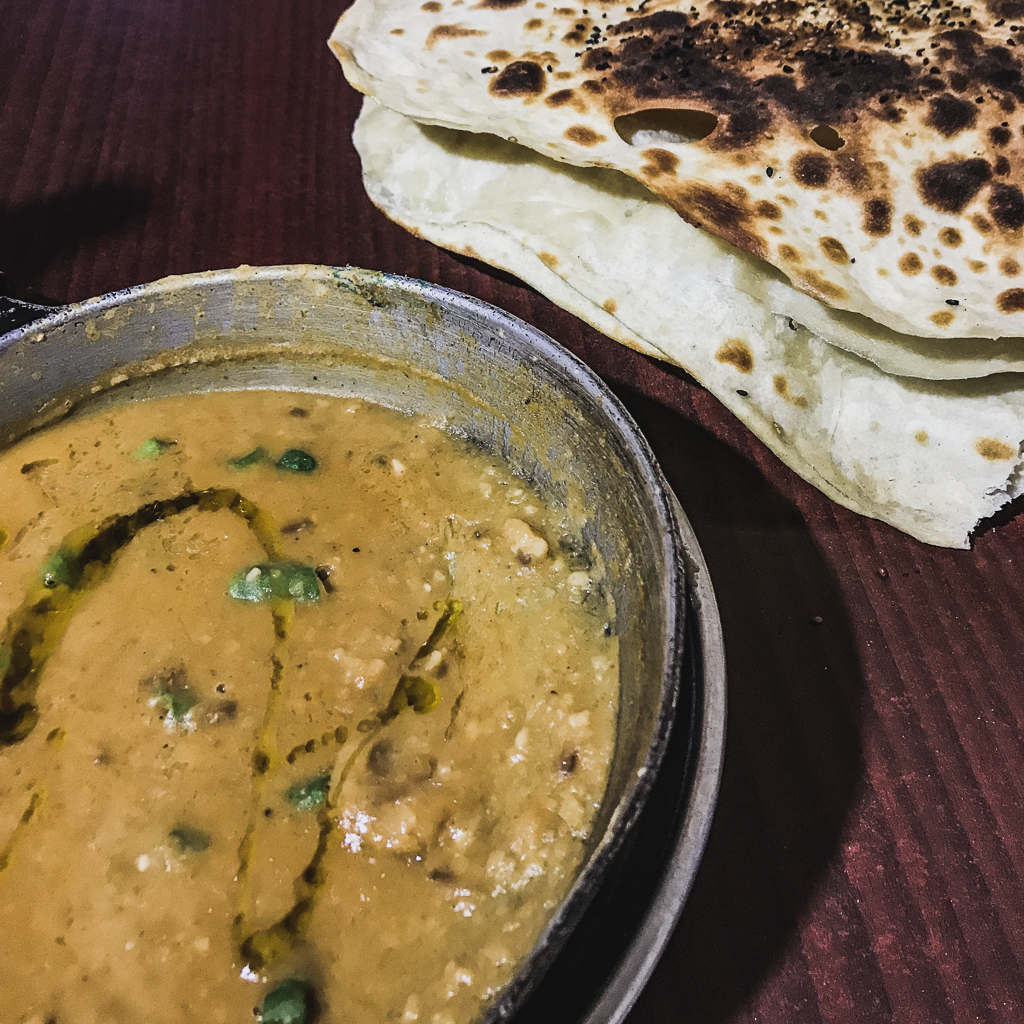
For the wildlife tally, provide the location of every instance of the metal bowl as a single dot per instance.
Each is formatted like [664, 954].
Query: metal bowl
[491, 378]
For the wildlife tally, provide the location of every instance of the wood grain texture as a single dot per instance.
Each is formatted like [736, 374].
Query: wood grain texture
[866, 863]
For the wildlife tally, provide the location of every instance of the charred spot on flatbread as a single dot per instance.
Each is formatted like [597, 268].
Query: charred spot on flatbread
[913, 225]
[659, 161]
[577, 34]
[910, 264]
[780, 384]
[1011, 301]
[559, 98]
[737, 354]
[951, 185]
[833, 249]
[1011, 10]
[1006, 206]
[582, 135]
[727, 214]
[950, 115]
[521, 78]
[877, 217]
[1000, 135]
[811, 170]
[981, 224]
[439, 32]
[821, 287]
[993, 449]
[944, 275]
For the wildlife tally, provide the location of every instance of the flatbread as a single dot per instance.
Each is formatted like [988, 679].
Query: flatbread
[870, 151]
[932, 459]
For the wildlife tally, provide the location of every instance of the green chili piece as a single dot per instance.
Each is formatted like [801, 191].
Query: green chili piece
[290, 1003]
[283, 581]
[176, 704]
[180, 704]
[152, 448]
[172, 694]
[63, 569]
[245, 461]
[187, 840]
[309, 795]
[295, 460]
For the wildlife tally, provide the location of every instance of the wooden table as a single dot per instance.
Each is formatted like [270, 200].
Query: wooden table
[866, 859]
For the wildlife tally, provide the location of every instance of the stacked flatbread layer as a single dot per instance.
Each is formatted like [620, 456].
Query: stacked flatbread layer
[844, 360]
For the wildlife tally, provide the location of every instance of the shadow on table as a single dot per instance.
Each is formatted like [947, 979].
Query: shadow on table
[36, 235]
[793, 756]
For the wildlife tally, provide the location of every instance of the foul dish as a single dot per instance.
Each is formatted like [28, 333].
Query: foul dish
[329, 723]
[274, 658]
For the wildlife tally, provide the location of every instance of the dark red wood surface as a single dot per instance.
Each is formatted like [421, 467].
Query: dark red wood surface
[866, 862]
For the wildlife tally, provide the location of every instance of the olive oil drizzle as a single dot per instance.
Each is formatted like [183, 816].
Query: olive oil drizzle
[9, 847]
[34, 631]
[81, 563]
[261, 948]
[265, 758]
